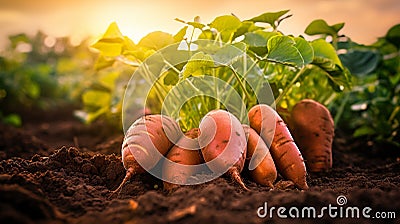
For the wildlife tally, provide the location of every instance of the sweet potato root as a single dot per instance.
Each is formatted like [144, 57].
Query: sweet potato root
[223, 144]
[286, 155]
[313, 130]
[265, 172]
[184, 156]
[147, 141]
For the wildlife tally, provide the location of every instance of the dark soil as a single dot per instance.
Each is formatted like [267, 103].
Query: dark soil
[58, 170]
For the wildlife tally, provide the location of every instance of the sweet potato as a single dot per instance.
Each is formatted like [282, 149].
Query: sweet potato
[185, 154]
[146, 141]
[223, 144]
[313, 130]
[265, 171]
[287, 157]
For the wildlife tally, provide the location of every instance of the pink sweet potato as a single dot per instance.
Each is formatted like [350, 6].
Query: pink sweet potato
[184, 156]
[223, 144]
[147, 141]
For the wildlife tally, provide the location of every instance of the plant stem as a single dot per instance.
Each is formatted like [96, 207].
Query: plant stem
[288, 87]
[341, 109]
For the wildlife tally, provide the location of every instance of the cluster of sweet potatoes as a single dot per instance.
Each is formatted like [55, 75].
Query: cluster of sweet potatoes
[264, 148]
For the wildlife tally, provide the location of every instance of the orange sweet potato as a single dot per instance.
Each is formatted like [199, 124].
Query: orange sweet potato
[286, 155]
[265, 172]
[313, 130]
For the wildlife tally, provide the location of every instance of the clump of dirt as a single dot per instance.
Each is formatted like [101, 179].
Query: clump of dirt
[41, 183]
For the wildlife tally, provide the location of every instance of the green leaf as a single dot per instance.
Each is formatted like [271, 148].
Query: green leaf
[207, 35]
[32, 89]
[229, 53]
[283, 49]
[128, 45]
[196, 22]
[111, 42]
[271, 18]
[108, 79]
[108, 49]
[196, 25]
[305, 49]
[360, 62]
[171, 78]
[16, 39]
[255, 40]
[198, 61]
[89, 117]
[393, 35]
[337, 27]
[181, 34]
[156, 40]
[95, 98]
[12, 119]
[226, 23]
[245, 27]
[103, 62]
[113, 34]
[363, 131]
[324, 49]
[320, 26]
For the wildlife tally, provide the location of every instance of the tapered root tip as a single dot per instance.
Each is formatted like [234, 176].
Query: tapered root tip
[234, 174]
[129, 173]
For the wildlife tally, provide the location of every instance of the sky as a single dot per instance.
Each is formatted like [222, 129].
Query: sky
[365, 20]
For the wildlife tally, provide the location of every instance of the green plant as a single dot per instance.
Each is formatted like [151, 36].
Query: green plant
[371, 109]
[294, 67]
[34, 75]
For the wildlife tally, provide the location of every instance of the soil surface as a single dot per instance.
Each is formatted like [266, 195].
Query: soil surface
[57, 170]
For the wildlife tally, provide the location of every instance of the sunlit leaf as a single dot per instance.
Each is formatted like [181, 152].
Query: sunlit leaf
[226, 23]
[254, 40]
[108, 79]
[103, 62]
[229, 52]
[111, 43]
[109, 49]
[16, 39]
[196, 25]
[96, 98]
[196, 22]
[181, 34]
[320, 26]
[113, 34]
[128, 45]
[199, 61]
[325, 50]
[283, 49]
[245, 27]
[156, 40]
[171, 78]
[207, 34]
[305, 49]
[270, 17]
